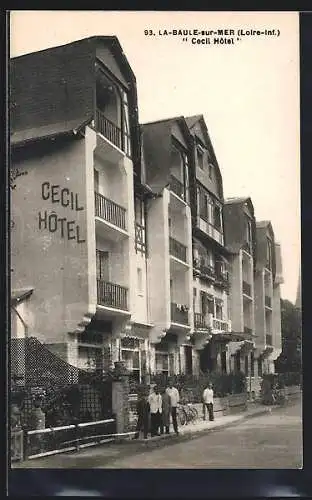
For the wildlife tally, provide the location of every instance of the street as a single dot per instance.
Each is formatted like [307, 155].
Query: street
[271, 441]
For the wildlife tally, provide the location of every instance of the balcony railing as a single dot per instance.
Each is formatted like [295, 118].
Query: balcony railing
[269, 339]
[179, 314]
[200, 320]
[222, 278]
[176, 186]
[268, 301]
[112, 295]
[247, 288]
[108, 129]
[177, 249]
[220, 324]
[206, 272]
[110, 211]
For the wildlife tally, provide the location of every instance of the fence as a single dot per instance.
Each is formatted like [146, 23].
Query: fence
[17, 445]
[53, 440]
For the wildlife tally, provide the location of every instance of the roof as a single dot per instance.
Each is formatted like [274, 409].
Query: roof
[51, 131]
[173, 118]
[230, 201]
[20, 294]
[191, 120]
[263, 223]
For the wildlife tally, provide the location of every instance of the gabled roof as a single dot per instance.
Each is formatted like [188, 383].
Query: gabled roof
[179, 119]
[191, 120]
[20, 294]
[230, 201]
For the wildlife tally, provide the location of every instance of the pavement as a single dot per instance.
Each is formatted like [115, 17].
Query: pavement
[126, 454]
[267, 441]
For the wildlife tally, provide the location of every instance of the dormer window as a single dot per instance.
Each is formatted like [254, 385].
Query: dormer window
[217, 218]
[210, 170]
[269, 254]
[200, 157]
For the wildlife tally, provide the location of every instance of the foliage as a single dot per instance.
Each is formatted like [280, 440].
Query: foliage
[14, 174]
[290, 358]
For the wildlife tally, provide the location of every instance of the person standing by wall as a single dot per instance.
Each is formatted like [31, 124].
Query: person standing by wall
[155, 403]
[174, 401]
[166, 409]
[143, 409]
[208, 401]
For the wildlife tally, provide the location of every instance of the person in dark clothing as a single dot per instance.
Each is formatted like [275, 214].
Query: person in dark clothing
[143, 410]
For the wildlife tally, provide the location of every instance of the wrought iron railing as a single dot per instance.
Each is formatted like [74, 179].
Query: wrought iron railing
[222, 278]
[176, 186]
[220, 324]
[110, 211]
[268, 301]
[177, 249]
[112, 295]
[247, 288]
[207, 271]
[179, 314]
[108, 129]
[269, 339]
[200, 320]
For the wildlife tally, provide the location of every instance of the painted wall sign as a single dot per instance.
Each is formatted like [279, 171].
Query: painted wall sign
[66, 227]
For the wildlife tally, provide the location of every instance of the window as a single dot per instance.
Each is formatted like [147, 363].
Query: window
[179, 171]
[126, 125]
[140, 226]
[140, 281]
[210, 170]
[200, 158]
[259, 367]
[217, 222]
[162, 362]
[237, 362]
[252, 364]
[269, 254]
[223, 362]
[188, 360]
[194, 298]
[246, 365]
[96, 180]
[102, 265]
[219, 309]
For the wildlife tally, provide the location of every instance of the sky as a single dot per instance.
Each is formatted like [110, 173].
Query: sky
[248, 93]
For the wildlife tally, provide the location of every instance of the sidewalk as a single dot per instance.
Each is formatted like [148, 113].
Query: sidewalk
[98, 456]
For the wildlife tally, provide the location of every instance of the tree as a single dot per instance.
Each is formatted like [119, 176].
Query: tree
[290, 358]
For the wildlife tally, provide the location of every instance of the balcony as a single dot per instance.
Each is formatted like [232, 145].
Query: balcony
[110, 211]
[108, 129]
[177, 250]
[268, 301]
[216, 233]
[200, 321]
[221, 325]
[269, 339]
[179, 314]
[176, 186]
[246, 288]
[203, 271]
[222, 279]
[112, 295]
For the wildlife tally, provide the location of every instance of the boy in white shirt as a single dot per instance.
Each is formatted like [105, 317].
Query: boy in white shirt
[174, 401]
[155, 403]
[208, 401]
